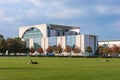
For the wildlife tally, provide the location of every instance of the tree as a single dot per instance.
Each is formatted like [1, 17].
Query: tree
[2, 45]
[40, 50]
[32, 50]
[15, 45]
[100, 49]
[76, 50]
[106, 50]
[97, 52]
[115, 49]
[103, 51]
[118, 49]
[68, 49]
[58, 49]
[49, 49]
[1, 36]
[88, 49]
[110, 50]
[25, 50]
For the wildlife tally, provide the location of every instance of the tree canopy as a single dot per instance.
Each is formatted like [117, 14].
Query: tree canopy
[88, 49]
[12, 45]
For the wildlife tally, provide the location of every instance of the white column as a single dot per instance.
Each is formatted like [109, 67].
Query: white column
[31, 43]
[63, 42]
[78, 41]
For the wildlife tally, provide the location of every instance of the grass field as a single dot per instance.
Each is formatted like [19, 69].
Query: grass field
[16, 68]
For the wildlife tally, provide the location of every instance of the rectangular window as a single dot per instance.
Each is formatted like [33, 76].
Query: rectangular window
[71, 41]
[63, 33]
[52, 41]
[37, 43]
[58, 33]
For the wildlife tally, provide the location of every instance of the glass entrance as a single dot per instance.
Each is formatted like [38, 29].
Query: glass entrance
[35, 34]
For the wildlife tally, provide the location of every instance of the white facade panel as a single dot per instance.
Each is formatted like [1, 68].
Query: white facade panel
[59, 40]
[42, 28]
[82, 44]
[31, 43]
[63, 42]
[46, 43]
[109, 43]
[78, 41]
[43, 43]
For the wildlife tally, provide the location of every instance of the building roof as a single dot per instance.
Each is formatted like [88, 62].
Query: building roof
[108, 40]
[54, 26]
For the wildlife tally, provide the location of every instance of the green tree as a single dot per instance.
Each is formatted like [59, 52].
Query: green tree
[24, 49]
[100, 49]
[2, 45]
[106, 50]
[15, 45]
[58, 49]
[1, 36]
[88, 49]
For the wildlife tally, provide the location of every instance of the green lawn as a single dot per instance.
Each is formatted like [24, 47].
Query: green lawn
[16, 68]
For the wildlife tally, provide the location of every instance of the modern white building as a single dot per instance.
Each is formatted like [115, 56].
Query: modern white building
[45, 35]
[109, 43]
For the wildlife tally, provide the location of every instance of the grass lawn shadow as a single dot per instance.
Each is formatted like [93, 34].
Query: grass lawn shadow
[19, 68]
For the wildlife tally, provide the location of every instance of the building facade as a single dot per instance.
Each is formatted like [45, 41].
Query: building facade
[45, 35]
[109, 43]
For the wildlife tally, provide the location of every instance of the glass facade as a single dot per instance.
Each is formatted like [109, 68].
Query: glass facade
[37, 42]
[35, 34]
[71, 41]
[52, 41]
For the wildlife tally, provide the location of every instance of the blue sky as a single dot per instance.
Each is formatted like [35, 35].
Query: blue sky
[99, 17]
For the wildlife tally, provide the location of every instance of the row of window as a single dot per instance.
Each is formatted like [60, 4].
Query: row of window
[52, 41]
[37, 36]
[70, 41]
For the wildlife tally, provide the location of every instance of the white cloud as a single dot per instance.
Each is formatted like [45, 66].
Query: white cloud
[8, 19]
[55, 9]
[10, 1]
[64, 13]
[108, 9]
[30, 13]
[38, 3]
[1, 14]
[58, 9]
[102, 9]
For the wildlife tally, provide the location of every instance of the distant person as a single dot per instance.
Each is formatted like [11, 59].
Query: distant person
[33, 62]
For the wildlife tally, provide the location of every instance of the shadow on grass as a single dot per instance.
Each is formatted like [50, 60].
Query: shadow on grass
[16, 68]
